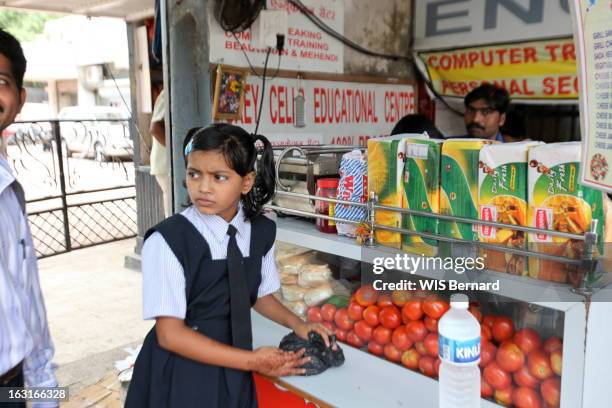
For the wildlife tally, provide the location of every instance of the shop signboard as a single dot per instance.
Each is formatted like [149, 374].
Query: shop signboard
[530, 71]
[451, 24]
[307, 47]
[594, 45]
[345, 113]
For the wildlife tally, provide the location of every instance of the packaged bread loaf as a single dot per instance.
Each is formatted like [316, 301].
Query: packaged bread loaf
[319, 294]
[299, 307]
[293, 293]
[288, 278]
[313, 276]
[297, 260]
[290, 269]
[284, 250]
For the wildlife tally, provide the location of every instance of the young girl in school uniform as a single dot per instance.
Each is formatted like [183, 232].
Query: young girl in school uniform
[203, 270]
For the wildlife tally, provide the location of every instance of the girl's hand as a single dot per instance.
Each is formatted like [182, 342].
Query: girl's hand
[303, 328]
[274, 362]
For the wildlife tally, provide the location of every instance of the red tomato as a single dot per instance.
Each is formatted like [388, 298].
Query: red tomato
[475, 311]
[410, 359]
[392, 353]
[527, 340]
[503, 329]
[431, 324]
[485, 333]
[384, 300]
[524, 397]
[486, 391]
[314, 315]
[353, 339]
[416, 330]
[427, 366]
[328, 311]
[556, 361]
[551, 344]
[366, 295]
[434, 306]
[382, 335]
[539, 365]
[487, 353]
[370, 315]
[524, 378]
[412, 310]
[329, 325]
[496, 377]
[510, 357]
[420, 347]
[504, 396]
[343, 320]
[488, 320]
[400, 297]
[551, 391]
[375, 348]
[437, 366]
[400, 339]
[363, 330]
[341, 334]
[431, 344]
[355, 311]
[390, 317]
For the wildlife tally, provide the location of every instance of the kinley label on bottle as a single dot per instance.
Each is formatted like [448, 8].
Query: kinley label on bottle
[459, 352]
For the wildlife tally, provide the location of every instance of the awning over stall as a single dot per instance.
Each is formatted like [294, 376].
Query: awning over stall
[128, 10]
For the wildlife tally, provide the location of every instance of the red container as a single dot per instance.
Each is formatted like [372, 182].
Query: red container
[326, 187]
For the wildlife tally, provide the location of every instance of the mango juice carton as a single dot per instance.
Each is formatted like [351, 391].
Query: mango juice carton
[385, 173]
[557, 201]
[421, 184]
[502, 197]
[459, 186]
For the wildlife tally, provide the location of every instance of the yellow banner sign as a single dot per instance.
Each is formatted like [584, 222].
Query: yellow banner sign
[531, 70]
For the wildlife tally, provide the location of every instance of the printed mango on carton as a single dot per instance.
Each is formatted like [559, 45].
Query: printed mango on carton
[557, 201]
[502, 197]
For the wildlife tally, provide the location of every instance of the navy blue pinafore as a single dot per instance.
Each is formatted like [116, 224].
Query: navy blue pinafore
[163, 379]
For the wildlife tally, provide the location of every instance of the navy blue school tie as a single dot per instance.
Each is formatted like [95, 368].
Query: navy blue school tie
[240, 303]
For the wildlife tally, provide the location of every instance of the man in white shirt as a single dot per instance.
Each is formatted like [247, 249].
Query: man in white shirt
[158, 159]
[26, 349]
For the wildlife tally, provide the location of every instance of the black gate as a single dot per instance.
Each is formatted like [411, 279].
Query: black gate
[78, 176]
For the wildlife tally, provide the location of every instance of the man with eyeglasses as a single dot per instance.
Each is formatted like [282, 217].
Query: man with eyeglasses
[485, 112]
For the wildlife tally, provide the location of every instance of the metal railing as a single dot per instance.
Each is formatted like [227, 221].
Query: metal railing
[74, 202]
[587, 263]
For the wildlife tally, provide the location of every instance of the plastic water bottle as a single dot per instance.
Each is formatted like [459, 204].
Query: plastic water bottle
[459, 348]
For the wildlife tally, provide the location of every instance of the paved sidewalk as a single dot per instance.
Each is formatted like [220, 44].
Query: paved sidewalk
[94, 311]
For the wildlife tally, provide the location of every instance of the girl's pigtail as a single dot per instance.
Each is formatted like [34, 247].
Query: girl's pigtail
[265, 179]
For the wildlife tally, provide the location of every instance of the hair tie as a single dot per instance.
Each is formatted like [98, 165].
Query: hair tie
[189, 147]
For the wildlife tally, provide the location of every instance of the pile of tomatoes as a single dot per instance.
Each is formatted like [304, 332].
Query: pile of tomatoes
[517, 367]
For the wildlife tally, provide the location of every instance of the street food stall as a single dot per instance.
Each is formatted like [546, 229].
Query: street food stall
[543, 282]
[349, 200]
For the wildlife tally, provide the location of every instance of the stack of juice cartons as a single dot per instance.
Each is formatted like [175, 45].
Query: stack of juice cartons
[459, 186]
[385, 178]
[502, 197]
[557, 201]
[421, 185]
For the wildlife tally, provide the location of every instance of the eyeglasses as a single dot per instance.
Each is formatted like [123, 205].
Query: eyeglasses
[470, 110]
